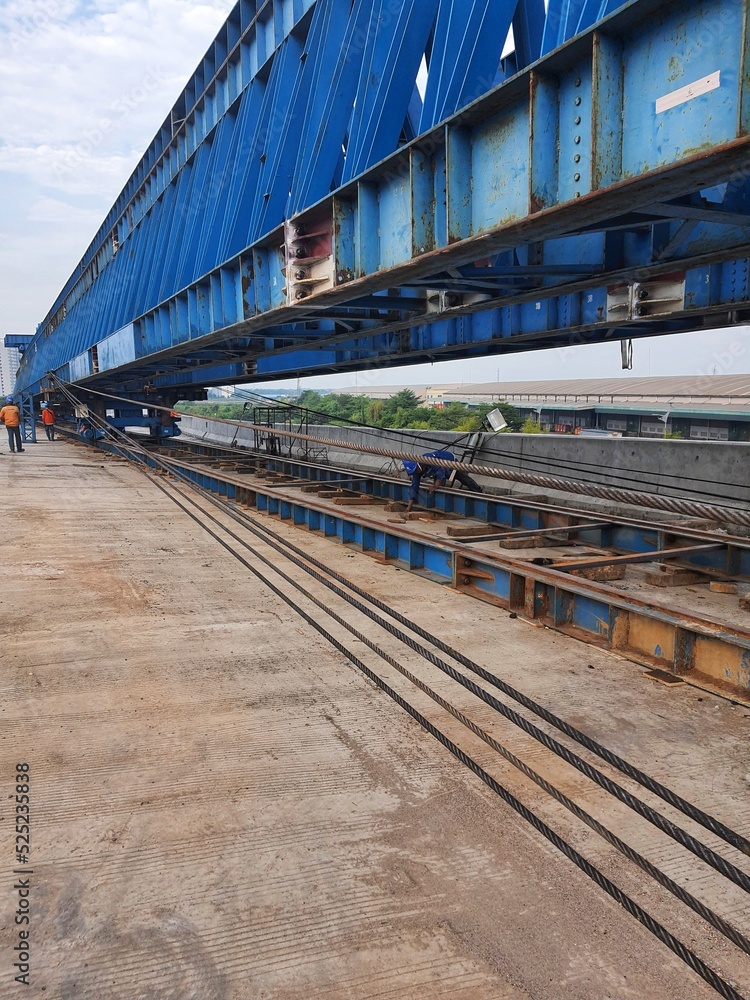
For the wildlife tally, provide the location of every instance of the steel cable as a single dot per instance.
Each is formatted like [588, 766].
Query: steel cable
[709, 975]
[690, 508]
[691, 843]
[681, 836]
[693, 812]
[625, 767]
[617, 472]
[737, 938]
[720, 985]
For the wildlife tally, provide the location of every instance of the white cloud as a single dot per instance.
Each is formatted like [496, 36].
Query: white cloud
[53, 210]
[83, 89]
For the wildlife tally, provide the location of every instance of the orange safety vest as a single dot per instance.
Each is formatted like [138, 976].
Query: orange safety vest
[10, 415]
[48, 416]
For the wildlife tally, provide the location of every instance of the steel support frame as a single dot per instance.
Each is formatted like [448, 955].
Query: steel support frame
[516, 518]
[461, 193]
[28, 419]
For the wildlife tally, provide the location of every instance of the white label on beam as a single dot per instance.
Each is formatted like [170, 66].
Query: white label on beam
[702, 86]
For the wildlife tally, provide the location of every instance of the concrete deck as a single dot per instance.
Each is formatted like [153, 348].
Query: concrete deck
[222, 808]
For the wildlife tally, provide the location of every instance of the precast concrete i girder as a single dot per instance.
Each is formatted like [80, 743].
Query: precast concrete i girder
[285, 214]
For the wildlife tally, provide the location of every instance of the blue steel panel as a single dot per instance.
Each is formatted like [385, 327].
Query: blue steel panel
[327, 120]
[394, 220]
[117, 349]
[278, 140]
[528, 28]
[590, 615]
[396, 40]
[656, 67]
[80, 366]
[464, 56]
[574, 132]
[500, 169]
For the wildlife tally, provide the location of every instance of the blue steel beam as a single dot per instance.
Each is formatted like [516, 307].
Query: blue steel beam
[465, 55]
[535, 320]
[623, 535]
[617, 145]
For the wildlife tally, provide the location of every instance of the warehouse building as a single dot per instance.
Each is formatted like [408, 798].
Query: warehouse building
[699, 408]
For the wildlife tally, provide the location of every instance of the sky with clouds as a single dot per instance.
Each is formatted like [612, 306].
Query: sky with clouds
[84, 86]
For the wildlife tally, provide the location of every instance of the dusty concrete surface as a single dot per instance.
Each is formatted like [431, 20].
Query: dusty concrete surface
[222, 808]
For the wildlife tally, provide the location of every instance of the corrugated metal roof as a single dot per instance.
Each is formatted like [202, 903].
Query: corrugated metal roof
[679, 389]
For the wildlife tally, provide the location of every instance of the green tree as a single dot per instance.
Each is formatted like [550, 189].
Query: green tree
[406, 402]
[531, 426]
[374, 411]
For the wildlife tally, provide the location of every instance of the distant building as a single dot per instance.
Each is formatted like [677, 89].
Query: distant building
[382, 391]
[700, 408]
[9, 360]
[703, 408]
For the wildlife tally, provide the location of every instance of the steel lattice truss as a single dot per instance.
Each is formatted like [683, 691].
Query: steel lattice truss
[348, 183]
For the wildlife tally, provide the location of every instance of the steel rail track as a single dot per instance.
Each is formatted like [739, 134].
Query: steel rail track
[280, 544]
[357, 475]
[137, 454]
[690, 508]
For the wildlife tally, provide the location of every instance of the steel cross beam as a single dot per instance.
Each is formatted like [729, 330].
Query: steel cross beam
[625, 152]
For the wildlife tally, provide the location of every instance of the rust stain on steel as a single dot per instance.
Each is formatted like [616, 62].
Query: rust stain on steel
[535, 204]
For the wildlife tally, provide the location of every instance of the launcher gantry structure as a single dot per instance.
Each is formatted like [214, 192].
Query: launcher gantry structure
[354, 183]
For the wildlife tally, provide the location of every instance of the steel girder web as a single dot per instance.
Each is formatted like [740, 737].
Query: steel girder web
[556, 291]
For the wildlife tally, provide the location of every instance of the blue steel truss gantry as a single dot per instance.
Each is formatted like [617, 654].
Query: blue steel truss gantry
[351, 183]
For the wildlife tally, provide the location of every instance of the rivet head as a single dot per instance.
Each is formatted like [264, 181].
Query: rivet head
[578, 81]
[577, 101]
[576, 177]
[577, 139]
[578, 119]
[577, 158]
[577, 194]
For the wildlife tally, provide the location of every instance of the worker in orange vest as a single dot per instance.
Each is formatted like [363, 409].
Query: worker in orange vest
[10, 415]
[48, 419]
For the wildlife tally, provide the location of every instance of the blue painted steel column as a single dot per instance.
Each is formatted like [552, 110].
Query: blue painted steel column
[28, 423]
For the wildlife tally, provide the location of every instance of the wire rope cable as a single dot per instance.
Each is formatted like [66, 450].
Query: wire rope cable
[709, 975]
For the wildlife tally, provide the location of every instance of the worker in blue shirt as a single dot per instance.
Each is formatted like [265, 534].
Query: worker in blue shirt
[418, 469]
